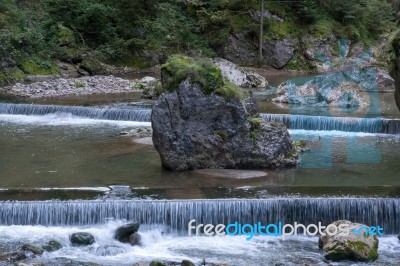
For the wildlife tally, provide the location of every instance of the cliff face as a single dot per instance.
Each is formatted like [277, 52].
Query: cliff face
[395, 72]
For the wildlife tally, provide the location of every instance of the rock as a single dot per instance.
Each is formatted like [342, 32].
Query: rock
[150, 87]
[135, 239]
[73, 86]
[13, 256]
[187, 263]
[347, 90]
[157, 263]
[395, 71]
[238, 76]
[240, 50]
[33, 249]
[349, 247]
[52, 245]
[82, 239]
[193, 129]
[140, 132]
[92, 65]
[277, 53]
[124, 232]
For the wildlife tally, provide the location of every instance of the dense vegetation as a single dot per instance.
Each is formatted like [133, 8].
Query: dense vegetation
[35, 32]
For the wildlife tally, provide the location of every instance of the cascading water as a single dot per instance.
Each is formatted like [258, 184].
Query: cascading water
[176, 214]
[134, 113]
[111, 113]
[326, 123]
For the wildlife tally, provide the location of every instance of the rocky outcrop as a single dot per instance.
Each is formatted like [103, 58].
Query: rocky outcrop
[357, 247]
[238, 76]
[206, 125]
[240, 50]
[52, 245]
[395, 71]
[82, 239]
[278, 53]
[341, 89]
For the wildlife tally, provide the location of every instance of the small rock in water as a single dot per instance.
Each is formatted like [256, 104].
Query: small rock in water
[157, 263]
[33, 249]
[135, 239]
[187, 263]
[82, 239]
[52, 245]
[124, 232]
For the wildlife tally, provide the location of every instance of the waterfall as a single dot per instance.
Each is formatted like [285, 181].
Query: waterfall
[175, 214]
[107, 113]
[348, 124]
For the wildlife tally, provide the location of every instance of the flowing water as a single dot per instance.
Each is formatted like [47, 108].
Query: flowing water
[64, 149]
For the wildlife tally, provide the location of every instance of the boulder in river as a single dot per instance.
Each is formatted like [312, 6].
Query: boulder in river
[52, 245]
[82, 239]
[201, 121]
[32, 248]
[353, 246]
[124, 232]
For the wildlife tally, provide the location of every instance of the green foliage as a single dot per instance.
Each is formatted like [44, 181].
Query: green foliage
[80, 84]
[36, 66]
[200, 71]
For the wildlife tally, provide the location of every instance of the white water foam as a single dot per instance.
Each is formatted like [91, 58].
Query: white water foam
[65, 119]
[236, 250]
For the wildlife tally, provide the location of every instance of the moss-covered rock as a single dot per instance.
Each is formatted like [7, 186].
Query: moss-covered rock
[354, 246]
[201, 71]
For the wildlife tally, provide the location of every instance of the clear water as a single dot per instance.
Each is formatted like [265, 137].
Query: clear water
[58, 150]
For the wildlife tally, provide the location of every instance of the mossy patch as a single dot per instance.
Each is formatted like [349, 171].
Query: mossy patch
[12, 74]
[201, 71]
[37, 66]
[80, 84]
[255, 126]
[222, 134]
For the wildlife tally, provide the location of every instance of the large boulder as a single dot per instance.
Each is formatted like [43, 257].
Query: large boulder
[124, 233]
[395, 71]
[240, 50]
[201, 121]
[357, 247]
[82, 239]
[238, 76]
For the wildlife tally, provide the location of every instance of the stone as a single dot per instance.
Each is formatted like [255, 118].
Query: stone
[238, 76]
[33, 249]
[82, 239]
[52, 245]
[192, 130]
[135, 239]
[187, 263]
[349, 247]
[157, 263]
[150, 87]
[240, 50]
[278, 53]
[124, 232]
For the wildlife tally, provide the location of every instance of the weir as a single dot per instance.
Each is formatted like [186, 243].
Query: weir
[140, 114]
[111, 113]
[327, 123]
[175, 214]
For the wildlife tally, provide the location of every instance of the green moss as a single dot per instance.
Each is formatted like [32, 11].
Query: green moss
[300, 143]
[255, 122]
[201, 71]
[11, 75]
[36, 66]
[290, 153]
[65, 36]
[80, 84]
[322, 28]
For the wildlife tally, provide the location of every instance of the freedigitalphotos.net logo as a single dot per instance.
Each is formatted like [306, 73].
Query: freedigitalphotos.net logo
[278, 230]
